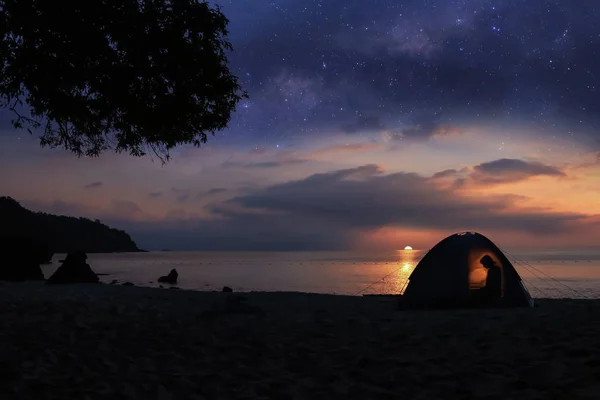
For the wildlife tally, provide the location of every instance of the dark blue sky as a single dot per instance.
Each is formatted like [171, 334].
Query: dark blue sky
[358, 66]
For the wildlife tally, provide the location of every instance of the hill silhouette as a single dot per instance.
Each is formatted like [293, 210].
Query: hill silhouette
[59, 234]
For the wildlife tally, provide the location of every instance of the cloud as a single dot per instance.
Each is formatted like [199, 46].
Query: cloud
[426, 127]
[216, 191]
[507, 170]
[155, 194]
[501, 171]
[334, 210]
[264, 164]
[210, 192]
[448, 173]
[181, 195]
[94, 185]
[346, 198]
[422, 126]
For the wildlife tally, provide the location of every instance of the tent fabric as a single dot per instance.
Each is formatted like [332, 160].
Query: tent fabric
[452, 274]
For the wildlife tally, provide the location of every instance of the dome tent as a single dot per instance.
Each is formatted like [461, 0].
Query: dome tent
[453, 274]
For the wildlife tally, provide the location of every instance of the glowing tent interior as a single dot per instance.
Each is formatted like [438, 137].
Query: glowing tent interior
[458, 271]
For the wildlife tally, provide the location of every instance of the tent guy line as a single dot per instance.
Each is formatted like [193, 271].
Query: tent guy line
[525, 263]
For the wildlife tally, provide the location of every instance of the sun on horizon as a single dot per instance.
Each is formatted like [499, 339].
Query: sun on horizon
[408, 248]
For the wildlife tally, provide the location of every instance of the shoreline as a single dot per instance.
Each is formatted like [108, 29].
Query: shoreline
[104, 341]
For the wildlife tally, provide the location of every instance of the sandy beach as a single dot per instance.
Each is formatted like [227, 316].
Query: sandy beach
[118, 342]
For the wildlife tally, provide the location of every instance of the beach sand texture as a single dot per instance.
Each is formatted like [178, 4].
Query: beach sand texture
[116, 342]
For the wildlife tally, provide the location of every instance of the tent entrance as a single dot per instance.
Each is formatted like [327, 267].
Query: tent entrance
[478, 273]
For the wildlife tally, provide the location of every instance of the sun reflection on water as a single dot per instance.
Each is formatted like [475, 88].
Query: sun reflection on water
[407, 262]
[393, 276]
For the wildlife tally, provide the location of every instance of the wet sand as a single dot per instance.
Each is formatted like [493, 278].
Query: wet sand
[117, 342]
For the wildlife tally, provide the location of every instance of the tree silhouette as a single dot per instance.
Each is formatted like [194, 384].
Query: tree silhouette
[127, 75]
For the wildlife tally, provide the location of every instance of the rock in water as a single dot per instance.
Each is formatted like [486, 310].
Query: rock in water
[20, 260]
[171, 278]
[227, 289]
[74, 270]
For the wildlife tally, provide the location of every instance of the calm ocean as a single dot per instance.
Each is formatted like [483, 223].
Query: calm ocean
[547, 274]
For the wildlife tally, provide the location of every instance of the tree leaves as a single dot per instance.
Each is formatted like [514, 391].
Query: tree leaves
[132, 76]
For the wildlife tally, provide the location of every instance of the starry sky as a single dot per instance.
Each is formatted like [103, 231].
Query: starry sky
[368, 125]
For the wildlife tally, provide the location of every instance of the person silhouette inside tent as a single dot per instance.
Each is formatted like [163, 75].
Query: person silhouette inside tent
[493, 282]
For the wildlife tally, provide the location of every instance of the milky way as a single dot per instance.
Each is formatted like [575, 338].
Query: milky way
[355, 67]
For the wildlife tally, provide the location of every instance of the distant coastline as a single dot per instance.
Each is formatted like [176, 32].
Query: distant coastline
[56, 234]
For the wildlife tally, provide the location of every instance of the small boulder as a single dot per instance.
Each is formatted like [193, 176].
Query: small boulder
[74, 270]
[171, 278]
[226, 289]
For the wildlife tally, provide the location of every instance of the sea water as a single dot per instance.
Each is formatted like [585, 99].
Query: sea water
[548, 274]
